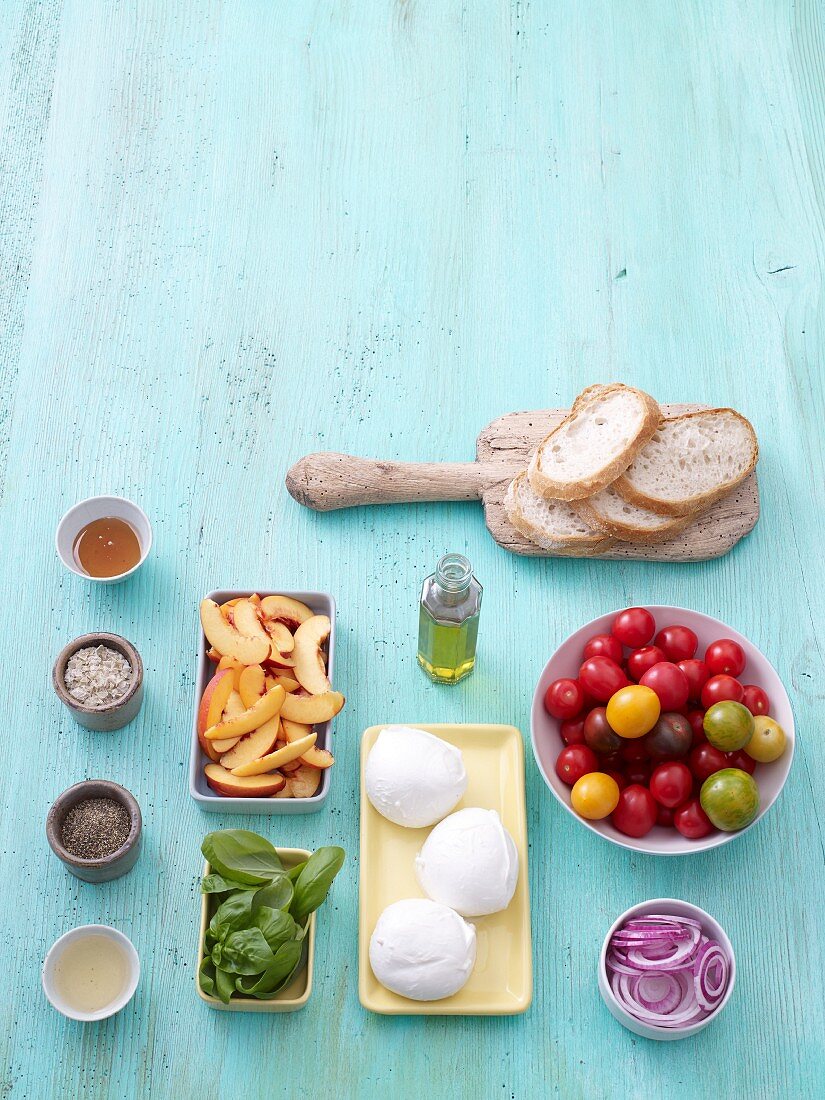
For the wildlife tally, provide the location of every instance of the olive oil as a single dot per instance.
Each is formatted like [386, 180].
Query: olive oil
[106, 548]
[448, 620]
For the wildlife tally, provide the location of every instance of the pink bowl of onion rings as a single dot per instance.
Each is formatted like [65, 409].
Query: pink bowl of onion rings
[666, 969]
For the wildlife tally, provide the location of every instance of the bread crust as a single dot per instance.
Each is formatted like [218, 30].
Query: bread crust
[626, 532]
[551, 489]
[574, 546]
[698, 502]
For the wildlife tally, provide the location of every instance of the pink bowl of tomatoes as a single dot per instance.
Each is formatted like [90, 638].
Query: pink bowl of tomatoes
[662, 729]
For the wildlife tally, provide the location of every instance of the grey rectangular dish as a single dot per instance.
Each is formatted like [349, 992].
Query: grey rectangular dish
[322, 604]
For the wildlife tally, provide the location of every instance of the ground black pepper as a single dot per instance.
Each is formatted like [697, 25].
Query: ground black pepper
[95, 828]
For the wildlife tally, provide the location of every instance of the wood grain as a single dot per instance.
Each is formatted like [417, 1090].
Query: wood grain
[235, 233]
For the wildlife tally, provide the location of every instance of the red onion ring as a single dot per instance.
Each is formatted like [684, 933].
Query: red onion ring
[665, 971]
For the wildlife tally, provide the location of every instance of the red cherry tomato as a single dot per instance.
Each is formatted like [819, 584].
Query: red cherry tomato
[671, 784]
[669, 683]
[697, 676]
[719, 688]
[696, 718]
[742, 761]
[756, 700]
[601, 677]
[635, 814]
[574, 762]
[725, 657]
[638, 771]
[704, 760]
[692, 821]
[604, 645]
[678, 643]
[572, 731]
[633, 627]
[621, 782]
[640, 660]
[633, 750]
[564, 698]
[664, 817]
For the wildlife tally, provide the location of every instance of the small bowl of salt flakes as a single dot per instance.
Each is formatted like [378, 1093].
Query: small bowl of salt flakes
[99, 678]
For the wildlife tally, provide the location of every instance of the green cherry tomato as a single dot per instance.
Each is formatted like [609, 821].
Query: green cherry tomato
[728, 725]
[768, 741]
[730, 798]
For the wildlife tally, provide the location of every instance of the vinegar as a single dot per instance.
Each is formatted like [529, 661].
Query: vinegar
[91, 973]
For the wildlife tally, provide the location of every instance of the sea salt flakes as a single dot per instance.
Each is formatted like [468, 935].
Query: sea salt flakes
[97, 676]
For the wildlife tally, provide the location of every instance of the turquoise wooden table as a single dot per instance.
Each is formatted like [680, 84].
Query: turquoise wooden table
[233, 233]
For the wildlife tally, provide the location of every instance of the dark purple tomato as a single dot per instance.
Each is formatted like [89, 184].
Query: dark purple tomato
[597, 733]
[670, 739]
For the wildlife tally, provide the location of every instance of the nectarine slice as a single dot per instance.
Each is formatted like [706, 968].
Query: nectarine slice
[310, 709]
[275, 759]
[305, 782]
[251, 684]
[286, 682]
[247, 621]
[309, 661]
[233, 708]
[265, 708]
[281, 638]
[233, 786]
[228, 640]
[284, 609]
[253, 746]
[315, 758]
[213, 700]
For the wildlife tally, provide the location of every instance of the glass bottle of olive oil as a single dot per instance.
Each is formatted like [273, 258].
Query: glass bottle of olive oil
[448, 620]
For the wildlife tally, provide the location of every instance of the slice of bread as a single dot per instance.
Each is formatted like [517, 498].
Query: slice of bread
[691, 462]
[594, 444]
[551, 524]
[611, 513]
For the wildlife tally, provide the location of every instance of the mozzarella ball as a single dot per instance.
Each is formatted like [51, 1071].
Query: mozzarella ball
[422, 950]
[414, 778]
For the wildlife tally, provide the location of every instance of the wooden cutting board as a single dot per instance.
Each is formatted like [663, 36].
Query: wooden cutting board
[326, 481]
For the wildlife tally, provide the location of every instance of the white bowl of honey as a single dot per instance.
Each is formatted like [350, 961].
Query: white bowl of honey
[104, 539]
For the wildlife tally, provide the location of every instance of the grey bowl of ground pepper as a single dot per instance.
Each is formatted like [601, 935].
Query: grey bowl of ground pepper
[95, 828]
[105, 681]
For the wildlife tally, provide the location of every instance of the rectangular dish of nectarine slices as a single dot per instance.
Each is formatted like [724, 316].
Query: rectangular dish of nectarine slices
[265, 702]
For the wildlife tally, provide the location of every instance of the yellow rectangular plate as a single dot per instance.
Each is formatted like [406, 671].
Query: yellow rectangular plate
[502, 981]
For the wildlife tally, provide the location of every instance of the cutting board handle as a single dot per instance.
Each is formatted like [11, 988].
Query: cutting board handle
[327, 480]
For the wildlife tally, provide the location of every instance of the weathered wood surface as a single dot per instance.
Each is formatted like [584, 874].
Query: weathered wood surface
[237, 232]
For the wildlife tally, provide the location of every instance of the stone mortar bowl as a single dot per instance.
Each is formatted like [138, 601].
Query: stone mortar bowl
[115, 864]
[115, 715]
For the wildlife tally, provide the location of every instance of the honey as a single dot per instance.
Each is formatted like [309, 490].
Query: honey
[106, 548]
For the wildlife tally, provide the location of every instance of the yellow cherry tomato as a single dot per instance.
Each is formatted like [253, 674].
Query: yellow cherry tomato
[768, 740]
[633, 711]
[595, 795]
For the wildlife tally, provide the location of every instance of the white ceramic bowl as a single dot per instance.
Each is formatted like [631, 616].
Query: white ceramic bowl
[87, 511]
[52, 958]
[547, 742]
[711, 928]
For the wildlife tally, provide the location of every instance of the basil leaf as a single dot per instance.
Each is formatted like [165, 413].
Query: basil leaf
[246, 952]
[241, 855]
[293, 872]
[283, 966]
[217, 952]
[277, 895]
[206, 977]
[314, 881]
[232, 915]
[276, 925]
[224, 985]
[217, 884]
